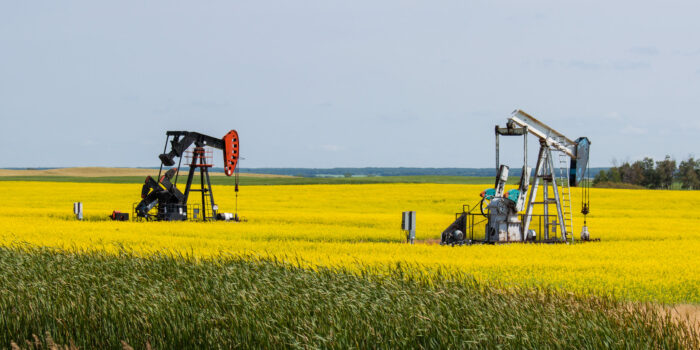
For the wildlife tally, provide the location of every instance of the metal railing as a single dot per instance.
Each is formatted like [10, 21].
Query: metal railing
[193, 212]
[474, 226]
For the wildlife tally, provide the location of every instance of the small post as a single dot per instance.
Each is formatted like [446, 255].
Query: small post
[408, 223]
[78, 210]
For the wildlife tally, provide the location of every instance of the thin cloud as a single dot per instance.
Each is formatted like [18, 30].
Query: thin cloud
[644, 50]
[633, 130]
[691, 125]
[332, 148]
[617, 65]
[630, 65]
[585, 65]
[688, 53]
[613, 116]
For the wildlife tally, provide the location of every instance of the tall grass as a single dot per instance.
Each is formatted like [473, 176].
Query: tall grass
[97, 300]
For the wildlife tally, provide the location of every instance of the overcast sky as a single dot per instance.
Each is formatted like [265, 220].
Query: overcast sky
[345, 83]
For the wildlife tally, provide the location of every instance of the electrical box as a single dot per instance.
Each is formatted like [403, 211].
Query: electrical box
[78, 210]
[408, 223]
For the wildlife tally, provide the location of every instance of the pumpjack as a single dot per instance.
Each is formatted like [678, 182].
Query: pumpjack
[500, 209]
[171, 204]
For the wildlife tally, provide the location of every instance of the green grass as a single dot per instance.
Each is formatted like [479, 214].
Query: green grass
[223, 180]
[619, 185]
[677, 186]
[97, 300]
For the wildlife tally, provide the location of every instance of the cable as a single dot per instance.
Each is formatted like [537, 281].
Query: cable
[236, 179]
[586, 192]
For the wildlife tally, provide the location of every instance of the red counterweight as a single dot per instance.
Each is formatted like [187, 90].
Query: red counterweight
[230, 152]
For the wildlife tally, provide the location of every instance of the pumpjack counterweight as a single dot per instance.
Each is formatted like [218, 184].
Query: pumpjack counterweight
[162, 194]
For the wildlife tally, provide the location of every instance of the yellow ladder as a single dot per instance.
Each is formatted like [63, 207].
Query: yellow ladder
[567, 213]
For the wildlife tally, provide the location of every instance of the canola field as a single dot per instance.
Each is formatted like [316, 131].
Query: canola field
[650, 248]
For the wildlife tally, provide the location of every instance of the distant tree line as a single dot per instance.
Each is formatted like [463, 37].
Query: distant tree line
[654, 174]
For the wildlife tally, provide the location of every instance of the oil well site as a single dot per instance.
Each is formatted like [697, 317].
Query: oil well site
[349, 175]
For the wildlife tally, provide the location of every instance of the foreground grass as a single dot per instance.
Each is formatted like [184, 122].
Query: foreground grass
[96, 300]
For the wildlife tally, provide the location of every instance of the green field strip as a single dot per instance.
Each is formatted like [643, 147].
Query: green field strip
[253, 180]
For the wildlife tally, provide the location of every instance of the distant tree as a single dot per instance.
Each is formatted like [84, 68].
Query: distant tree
[625, 172]
[689, 174]
[650, 178]
[665, 170]
[614, 175]
[347, 175]
[632, 174]
[600, 177]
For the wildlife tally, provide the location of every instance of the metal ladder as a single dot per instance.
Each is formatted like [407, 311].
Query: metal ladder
[566, 194]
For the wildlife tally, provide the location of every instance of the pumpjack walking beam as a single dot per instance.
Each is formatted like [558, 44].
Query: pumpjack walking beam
[543, 131]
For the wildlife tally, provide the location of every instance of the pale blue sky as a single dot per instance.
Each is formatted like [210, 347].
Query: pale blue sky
[345, 83]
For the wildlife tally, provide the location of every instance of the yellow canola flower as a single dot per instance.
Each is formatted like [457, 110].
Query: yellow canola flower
[650, 247]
